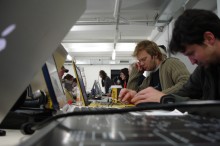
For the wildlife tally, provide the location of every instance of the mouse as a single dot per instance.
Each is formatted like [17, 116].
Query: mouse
[145, 104]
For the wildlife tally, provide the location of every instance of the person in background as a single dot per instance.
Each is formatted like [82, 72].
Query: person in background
[202, 46]
[62, 71]
[68, 82]
[163, 50]
[74, 90]
[117, 80]
[106, 81]
[140, 78]
[165, 74]
[124, 74]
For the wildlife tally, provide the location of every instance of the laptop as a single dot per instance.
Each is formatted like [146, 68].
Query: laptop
[54, 85]
[134, 126]
[104, 102]
[81, 85]
[30, 33]
[96, 90]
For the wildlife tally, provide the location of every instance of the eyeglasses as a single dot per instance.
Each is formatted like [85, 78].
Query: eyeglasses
[142, 59]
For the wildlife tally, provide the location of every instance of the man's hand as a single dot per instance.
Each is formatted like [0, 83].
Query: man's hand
[147, 95]
[138, 66]
[126, 95]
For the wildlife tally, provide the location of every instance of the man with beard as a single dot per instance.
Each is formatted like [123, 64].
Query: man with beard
[196, 34]
[165, 74]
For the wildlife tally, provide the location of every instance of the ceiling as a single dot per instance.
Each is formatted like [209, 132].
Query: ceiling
[118, 25]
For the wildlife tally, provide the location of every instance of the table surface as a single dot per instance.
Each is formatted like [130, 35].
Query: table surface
[12, 138]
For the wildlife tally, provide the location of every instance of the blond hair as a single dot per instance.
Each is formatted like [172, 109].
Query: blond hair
[150, 47]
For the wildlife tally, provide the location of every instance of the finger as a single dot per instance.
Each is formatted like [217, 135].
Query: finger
[142, 92]
[122, 93]
[139, 101]
[127, 97]
[138, 97]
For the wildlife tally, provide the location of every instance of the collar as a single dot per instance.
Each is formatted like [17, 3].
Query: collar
[156, 69]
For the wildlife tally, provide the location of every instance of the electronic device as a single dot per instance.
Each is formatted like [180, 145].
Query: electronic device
[80, 84]
[105, 101]
[96, 90]
[53, 83]
[133, 126]
[30, 33]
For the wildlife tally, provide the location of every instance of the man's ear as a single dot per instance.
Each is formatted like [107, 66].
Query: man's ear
[209, 38]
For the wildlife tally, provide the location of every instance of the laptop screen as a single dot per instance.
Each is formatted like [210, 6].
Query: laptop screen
[30, 33]
[96, 88]
[80, 84]
[54, 85]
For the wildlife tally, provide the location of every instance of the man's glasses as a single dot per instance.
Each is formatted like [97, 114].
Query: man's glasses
[142, 59]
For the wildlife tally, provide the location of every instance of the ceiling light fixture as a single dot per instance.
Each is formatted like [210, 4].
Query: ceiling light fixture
[113, 54]
[69, 58]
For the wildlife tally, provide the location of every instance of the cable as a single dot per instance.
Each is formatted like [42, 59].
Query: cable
[29, 128]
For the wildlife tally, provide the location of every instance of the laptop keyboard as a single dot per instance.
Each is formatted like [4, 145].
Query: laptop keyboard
[138, 129]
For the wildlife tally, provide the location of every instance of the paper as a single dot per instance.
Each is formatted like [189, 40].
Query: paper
[160, 113]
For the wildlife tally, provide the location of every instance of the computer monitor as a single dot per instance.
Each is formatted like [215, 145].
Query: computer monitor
[96, 89]
[53, 83]
[81, 84]
[30, 31]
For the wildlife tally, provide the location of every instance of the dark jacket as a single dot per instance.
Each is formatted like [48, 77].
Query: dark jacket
[203, 84]
[106, 83]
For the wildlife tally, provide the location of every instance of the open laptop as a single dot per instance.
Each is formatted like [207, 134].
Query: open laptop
[54, 85]
[30, 33]
[96, 90]
[80, 84]
[105, 101]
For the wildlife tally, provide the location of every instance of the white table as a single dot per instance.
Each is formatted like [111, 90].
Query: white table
[12, 138]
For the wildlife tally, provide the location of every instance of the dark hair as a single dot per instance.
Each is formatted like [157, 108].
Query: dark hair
[190, 27]
[75, 80]
[68, 77]
[64, 69]
[163, 47]
[103, 74]
[125, 72]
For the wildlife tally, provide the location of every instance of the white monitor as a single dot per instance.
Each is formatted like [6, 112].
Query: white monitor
[53, 83]
[30, 31]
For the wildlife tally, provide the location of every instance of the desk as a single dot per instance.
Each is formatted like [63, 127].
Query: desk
[12, 138]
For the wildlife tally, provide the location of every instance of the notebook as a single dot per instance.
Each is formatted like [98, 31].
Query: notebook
[96, 89]
[105, 101]
[30, 31]
[80, 85]
[54, 85]
[137, 128]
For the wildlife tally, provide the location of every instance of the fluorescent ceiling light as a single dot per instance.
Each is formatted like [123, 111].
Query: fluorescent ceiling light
[98, 47]
[125, 47]
[113, 54]
[88, 47]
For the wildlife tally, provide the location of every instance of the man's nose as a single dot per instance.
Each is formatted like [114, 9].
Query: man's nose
[192, 60]
[141, 63]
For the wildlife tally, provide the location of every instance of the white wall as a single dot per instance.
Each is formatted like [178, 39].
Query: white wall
[92, 72]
